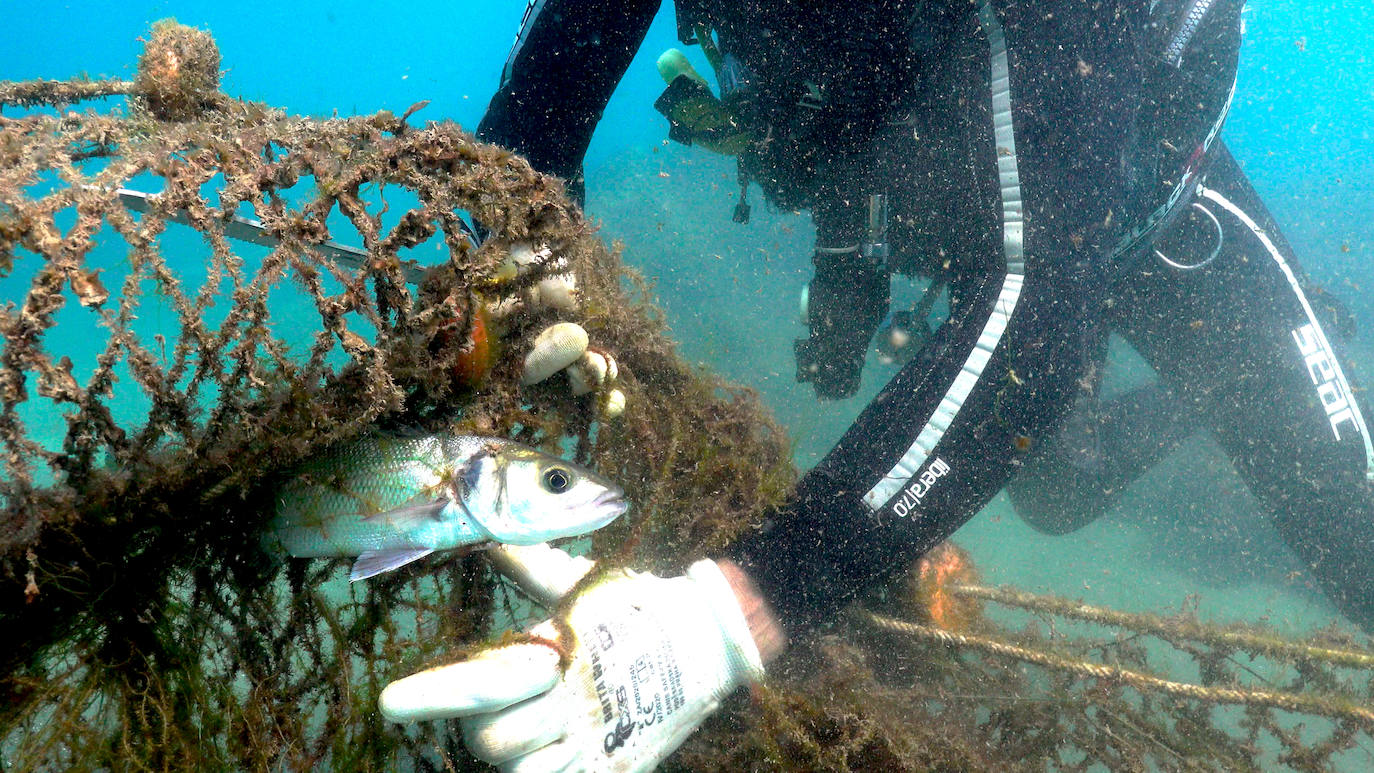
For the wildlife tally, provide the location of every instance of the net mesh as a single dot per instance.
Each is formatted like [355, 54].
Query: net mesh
[156, 379]
[956, 676]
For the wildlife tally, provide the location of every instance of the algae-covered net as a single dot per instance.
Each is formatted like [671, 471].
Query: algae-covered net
[159, 374]
[1050, 684]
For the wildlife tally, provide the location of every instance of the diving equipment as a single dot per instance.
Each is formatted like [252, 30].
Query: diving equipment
[875, 246]
[695, 115]
[1196, 226]
[847, 298]
[904, 333]
[844, 304]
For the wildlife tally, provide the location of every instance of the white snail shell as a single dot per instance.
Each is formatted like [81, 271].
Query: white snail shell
[558, 292]
[588, 373]
[615, 404]
[555, 348]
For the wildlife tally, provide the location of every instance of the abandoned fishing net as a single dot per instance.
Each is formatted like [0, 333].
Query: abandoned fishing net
[159, 374]
[204, 292]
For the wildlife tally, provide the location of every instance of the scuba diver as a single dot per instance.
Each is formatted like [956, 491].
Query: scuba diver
[1056, 167]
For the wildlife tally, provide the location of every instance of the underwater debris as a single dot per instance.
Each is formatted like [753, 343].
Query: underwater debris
[178, 73]
[1318, 705]
[882, 693]
[932, 592]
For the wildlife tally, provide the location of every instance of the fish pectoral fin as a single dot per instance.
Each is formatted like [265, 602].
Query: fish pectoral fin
[374, 562]
[409, 516]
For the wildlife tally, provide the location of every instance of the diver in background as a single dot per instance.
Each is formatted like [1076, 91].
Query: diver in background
[1106, 444]
[1056, 164]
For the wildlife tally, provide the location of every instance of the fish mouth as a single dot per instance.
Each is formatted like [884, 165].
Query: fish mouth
[609, 505]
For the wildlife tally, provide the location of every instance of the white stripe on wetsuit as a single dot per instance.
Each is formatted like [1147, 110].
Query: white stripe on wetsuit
[532, 10]
[1010, 182]
[1268, 243]
[1192, 20]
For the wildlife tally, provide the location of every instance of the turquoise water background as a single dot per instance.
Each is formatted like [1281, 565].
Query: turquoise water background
[1187, 534]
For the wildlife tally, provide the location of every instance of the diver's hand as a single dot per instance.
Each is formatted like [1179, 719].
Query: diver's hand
[563, 347]
[652, 659]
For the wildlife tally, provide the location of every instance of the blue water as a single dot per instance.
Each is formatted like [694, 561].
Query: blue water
[1300, 127]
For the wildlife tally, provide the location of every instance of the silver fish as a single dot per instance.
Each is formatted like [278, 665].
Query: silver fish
[391, 500]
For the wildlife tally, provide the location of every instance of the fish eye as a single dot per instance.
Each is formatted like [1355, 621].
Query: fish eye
[557, 479]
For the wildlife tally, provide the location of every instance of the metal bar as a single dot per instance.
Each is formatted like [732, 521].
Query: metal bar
[249, 230]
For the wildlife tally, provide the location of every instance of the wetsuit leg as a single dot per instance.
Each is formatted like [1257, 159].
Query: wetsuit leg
[1102, 448]
[847, 299]
[1191, 47]
[567, 59]
[1106, 444]
[1240, 341]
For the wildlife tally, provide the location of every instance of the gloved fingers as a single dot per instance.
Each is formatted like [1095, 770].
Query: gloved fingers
[557, 290]
[488, 681]
[561, 346]
[592, 370]
[554, 758]
[500, 736]
[546, 573]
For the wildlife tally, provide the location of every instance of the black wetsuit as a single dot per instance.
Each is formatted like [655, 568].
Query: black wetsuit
[1054, 162]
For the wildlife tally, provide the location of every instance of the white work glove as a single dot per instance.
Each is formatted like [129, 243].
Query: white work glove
[653, 658]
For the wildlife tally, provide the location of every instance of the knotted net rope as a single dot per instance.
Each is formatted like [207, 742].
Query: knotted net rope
[157, 376]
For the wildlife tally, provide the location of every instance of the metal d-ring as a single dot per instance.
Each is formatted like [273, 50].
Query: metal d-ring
[1215, 250]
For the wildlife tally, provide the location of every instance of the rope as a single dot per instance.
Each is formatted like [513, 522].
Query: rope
[1319, 705]
[1170, 629]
